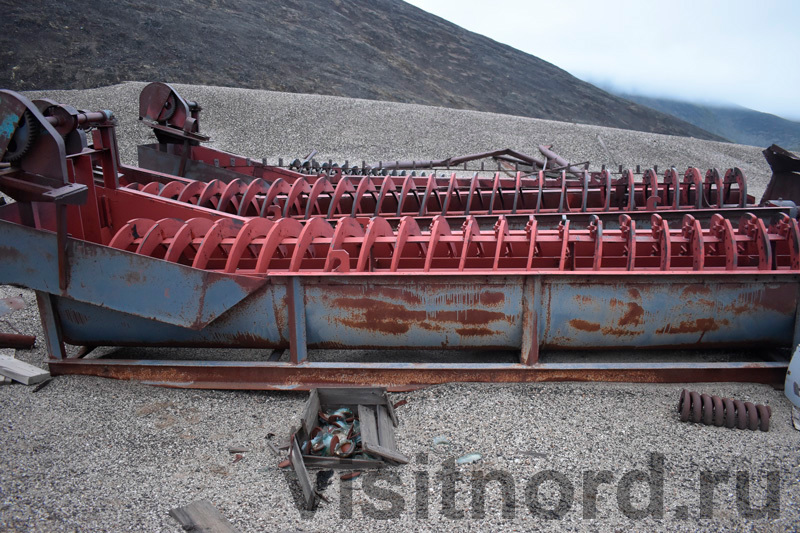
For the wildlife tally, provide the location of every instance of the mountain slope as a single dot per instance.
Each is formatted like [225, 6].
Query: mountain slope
[374, 49]
[738, 124]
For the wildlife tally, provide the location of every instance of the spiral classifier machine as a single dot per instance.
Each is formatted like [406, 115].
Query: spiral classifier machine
[531, 260]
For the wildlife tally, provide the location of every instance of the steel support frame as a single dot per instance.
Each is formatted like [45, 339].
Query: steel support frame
[301, 374]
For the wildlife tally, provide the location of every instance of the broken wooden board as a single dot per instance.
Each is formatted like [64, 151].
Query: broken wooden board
[371, 435]
[299, 466]
[21, 371]
[383, 420]
[202, 517]
[311, 413]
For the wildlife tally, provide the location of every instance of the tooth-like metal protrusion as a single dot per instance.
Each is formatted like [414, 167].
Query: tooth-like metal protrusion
[735, 175]
[693, 193]
[712, 189]
[255, 228]
[224, 228]
[248, 205]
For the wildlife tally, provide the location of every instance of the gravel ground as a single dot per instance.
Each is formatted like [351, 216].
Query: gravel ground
[89, 454]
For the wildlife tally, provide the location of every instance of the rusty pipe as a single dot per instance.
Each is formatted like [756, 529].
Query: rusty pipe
[14, 340]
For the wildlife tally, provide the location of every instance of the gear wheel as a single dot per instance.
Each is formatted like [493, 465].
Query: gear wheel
[22, 140]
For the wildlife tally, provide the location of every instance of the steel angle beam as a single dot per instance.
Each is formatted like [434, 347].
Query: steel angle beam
[405, 377]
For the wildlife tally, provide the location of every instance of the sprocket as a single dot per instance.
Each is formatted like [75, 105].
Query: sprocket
[23, 138]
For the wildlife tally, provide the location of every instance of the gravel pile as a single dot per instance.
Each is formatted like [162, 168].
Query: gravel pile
[90, 454]
[264, 124]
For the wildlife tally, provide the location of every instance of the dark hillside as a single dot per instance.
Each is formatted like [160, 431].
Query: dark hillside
[374, 49]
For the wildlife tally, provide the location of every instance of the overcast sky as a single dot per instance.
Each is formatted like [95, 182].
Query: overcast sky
[734, 51]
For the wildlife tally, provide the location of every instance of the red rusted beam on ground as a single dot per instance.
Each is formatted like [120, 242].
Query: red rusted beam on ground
[405, 376]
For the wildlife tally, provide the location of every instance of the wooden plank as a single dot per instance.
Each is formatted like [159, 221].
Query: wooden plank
[314, 461]
[296, 459]
[369, 436]
[369, 427]
[311, 412]
[386, 436]
[351, 396]
[390, 408]
[21, 371]
[202, 517]
[385, 430]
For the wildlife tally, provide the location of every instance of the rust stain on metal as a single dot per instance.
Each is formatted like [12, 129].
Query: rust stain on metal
[474, 332]
[701, 325]
[584, 325]
[395, 319]
[457, 295]
[633, 316]
[695, 289]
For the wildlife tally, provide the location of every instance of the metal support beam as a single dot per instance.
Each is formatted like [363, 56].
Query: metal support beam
[51, 325]
[295, 294]
[531, 303]
[405, 376]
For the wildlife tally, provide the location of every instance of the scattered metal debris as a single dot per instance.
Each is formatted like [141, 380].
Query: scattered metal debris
[337, 435]
[785, 181]
[237, 449]
[347, 428]
[796, 418]
[713, 410]
[440, 442]
[469, 458]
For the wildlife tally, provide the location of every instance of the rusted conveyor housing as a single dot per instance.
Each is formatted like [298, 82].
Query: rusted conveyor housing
[123, 256]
